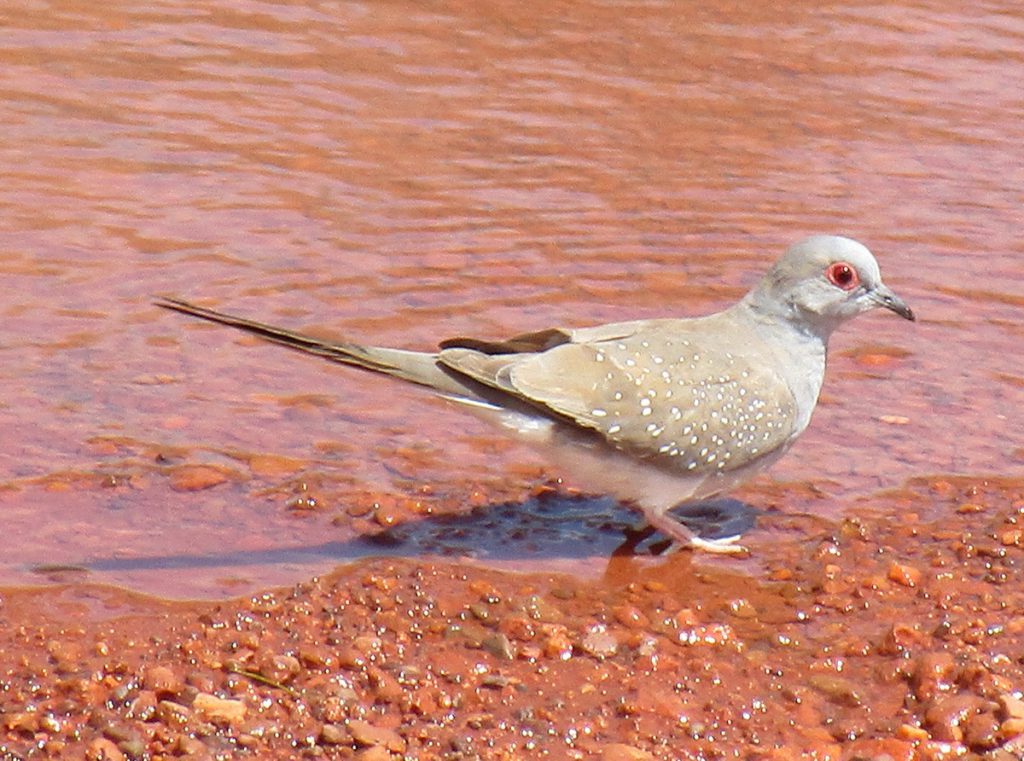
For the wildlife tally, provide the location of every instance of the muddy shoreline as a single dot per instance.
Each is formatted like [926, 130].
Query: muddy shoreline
[885, 636]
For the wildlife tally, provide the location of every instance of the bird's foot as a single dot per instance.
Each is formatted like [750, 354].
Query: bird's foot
[683, 537]
[725, 545]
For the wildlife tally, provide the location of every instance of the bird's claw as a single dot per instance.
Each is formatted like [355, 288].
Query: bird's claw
[724, 546]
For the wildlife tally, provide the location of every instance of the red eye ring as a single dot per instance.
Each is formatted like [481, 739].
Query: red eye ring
[842, 275]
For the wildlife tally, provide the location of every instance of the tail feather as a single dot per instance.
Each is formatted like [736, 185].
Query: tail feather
[413, 366]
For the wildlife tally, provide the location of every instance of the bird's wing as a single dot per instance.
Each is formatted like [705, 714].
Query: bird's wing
[684, 399]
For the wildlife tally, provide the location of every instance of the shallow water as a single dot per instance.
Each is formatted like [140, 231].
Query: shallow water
[403, 172]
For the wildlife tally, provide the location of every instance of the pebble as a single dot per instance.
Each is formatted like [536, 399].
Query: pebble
[981, 731]
[598, 642]
[932, 674]
[1011, 728]
[279, 668]
[274, 466]
[143, 707]
[631, 616]
[191, 746]
[219, 710]
[197, 477]
[374, 753]
[499, 646]
[364, 733]
[742, 608]
[836, 688]
[21, 721]
[334, 734]
[1011, 706]
[945, 717]
[706, 634]
[912, 733]
[387, 513]
[161, 680]
[907, 575]
[557, 643]
[102, 749]
[622, 752]
[173, 714]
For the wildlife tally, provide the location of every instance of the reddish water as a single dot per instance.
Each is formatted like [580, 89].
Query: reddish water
[403, 172]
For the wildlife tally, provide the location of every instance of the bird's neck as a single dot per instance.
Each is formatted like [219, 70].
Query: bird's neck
[799, 352]
[773, 310]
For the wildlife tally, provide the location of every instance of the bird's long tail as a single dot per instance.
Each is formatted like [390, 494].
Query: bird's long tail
[413, 366]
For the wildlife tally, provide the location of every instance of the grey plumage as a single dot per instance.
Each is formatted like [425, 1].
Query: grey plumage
[657, 412]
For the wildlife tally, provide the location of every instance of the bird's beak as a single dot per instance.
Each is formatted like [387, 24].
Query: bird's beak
[884, 297]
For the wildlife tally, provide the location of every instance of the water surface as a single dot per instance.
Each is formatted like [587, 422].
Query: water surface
[402, 172]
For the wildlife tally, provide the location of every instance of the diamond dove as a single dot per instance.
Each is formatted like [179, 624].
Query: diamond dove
[656, 412]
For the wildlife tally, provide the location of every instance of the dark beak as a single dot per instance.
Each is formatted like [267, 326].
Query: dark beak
[886, 298]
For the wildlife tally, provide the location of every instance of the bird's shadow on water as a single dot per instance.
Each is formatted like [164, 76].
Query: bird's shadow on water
[544, 528]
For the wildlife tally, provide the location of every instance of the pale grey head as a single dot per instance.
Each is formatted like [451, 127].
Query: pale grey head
[821, 282]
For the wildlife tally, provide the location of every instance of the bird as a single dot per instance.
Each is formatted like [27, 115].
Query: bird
[657, 413]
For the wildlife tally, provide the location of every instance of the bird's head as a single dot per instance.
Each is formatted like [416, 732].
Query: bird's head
[821, 282]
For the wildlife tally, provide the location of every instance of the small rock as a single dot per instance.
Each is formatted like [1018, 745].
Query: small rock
[133, 748]
[117, 731]
[161, 680]
[333, 734]
[374, 753]
[21, 721]
[495, 681]
[894, 419]
[279, 668]
[67, 655]
[172, 714]
[219, 710]
[386, 688]
[598, 642]
[1010, 729]
[631, 616]
[316, 657]
[538, 608]
[622, 752]
[1013, 537]
[835, 688]
[191, 746]
[365, 733]
[557, 643]
[714, 635]
[274, 466]
[367, 644]
[350, 658]
[102, 749]
[143, 707]
[944, 718]
[902, 639]
[197, 477]
[1010, 706]
[154, 379]
[932, 674]
[981, 732]
[907, 575]
[912, 733]
[499, 646]
[387, 513]
[742, 608]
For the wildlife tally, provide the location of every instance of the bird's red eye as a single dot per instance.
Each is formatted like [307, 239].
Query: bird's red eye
[842, 275]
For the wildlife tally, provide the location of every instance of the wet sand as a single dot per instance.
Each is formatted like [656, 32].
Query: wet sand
[215, 547]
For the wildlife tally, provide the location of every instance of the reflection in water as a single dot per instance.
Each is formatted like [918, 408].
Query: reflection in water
[403, 172]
